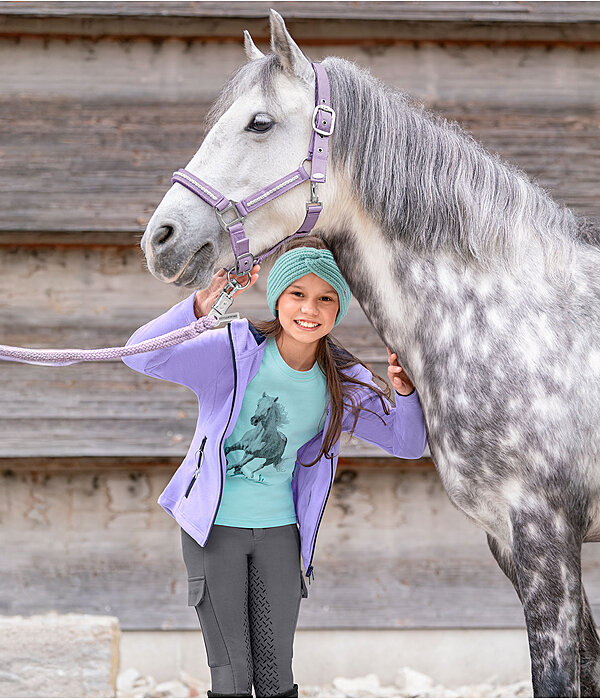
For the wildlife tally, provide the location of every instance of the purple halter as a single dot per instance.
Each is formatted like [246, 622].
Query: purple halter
[323, 123]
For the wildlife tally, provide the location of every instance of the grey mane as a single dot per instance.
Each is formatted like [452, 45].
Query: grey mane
[424, 179]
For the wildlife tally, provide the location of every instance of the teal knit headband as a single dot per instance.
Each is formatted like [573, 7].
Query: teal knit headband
[302, 261]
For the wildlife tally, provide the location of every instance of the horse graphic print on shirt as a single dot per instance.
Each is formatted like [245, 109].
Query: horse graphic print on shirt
[282, 409]
[264, 443]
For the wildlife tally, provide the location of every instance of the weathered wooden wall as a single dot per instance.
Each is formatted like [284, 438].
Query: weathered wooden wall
[99, 103]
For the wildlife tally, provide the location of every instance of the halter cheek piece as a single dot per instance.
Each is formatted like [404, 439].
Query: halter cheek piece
[231, 215]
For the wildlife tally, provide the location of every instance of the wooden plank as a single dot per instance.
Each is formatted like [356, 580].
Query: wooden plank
[93, 167]
[92, 149]
[156, 72]
[307, 31]
[527, 12]
[97, 296]
[13, 466]
[111, 177]
[70, 239]
[392, 553]
[102, 410]
[372, 24]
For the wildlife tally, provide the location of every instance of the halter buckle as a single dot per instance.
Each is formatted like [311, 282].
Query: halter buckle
[323, 108]
[243, 264]
[226, 225]
[314, 194]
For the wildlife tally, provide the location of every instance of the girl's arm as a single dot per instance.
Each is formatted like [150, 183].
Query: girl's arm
[194, 361]
[401, 433]
[187, 363]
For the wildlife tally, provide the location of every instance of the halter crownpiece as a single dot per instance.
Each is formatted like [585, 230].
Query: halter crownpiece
[323, 123]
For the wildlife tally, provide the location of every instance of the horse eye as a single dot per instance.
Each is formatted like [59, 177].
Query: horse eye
[260, 123]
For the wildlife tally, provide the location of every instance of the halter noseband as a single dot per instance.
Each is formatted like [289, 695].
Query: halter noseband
[323, 122]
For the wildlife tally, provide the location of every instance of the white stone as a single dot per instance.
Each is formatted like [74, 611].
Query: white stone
[127, 681]
[171, 689]
[366, 686]
[413, 684]
[132, 684]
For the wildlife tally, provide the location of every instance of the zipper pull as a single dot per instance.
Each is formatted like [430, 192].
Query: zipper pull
[200, 456]
[199, 459]
[310, 572]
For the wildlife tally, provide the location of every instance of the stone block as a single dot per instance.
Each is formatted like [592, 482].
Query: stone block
[59, 656]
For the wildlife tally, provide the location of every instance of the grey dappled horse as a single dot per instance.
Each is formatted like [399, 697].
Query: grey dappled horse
[487, 289]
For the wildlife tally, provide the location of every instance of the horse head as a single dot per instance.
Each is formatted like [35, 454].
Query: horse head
[261, 126]
[264, 405]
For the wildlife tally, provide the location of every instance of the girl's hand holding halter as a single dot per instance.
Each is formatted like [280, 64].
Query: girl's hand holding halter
[398, 376]
[205, 298]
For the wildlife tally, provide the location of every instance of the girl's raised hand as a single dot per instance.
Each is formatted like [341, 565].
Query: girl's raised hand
[205, 298]
[398, 376]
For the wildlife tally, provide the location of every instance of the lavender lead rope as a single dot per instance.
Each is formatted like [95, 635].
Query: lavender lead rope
[70, 356]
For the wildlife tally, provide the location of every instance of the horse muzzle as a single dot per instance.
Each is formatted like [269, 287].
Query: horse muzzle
[177, 257]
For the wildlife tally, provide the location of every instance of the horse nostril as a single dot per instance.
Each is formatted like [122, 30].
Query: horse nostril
[162, 235]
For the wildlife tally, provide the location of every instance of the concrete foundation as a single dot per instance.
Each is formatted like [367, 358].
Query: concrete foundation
[450, 657]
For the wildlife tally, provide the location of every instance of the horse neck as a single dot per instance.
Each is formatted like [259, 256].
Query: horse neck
[408, 295]
[269, 422]
[362, 253]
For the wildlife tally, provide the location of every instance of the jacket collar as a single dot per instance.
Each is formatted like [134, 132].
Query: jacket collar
[258, 336]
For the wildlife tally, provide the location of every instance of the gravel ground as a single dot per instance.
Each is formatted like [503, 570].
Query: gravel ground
[408, 684]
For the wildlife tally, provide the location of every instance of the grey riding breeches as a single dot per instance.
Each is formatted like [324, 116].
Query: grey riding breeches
[246, 585]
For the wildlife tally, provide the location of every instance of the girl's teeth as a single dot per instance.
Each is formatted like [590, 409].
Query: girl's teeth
[307, 325]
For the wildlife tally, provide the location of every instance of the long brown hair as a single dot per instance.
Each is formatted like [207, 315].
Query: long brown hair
[344, 390]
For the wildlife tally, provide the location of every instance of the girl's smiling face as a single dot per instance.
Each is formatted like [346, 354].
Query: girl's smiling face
[307, 309]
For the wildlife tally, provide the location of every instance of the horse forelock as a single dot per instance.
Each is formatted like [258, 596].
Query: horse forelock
[261, 72]
[429, 182]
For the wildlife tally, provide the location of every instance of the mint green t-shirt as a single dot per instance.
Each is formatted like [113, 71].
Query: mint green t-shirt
[281, 410]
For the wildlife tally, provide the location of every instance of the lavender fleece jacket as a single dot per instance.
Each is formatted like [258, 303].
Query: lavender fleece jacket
[217, 366]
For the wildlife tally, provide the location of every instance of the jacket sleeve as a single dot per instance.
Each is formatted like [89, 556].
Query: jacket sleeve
[193, 363]
[401, 433]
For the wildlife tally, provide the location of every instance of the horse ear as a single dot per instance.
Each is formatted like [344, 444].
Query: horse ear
[287, 51]
[252, 52]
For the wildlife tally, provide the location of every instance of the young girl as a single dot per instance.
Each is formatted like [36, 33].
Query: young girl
[274, 398]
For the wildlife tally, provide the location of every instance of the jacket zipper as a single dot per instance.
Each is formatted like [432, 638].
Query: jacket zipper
[227, 426]
[310, 571]
[199, 461]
